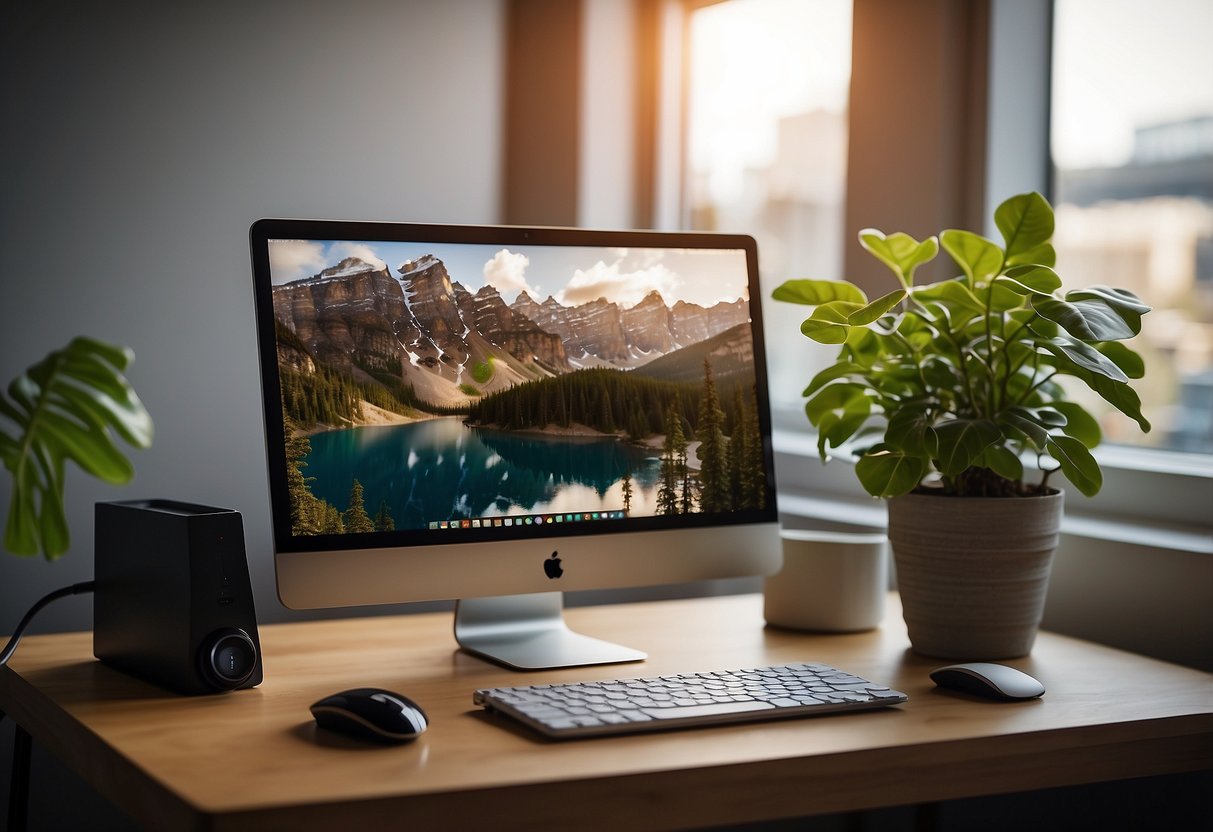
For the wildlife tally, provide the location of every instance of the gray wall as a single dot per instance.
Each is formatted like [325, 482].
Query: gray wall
[140, 141]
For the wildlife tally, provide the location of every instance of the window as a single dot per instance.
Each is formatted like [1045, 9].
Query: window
[766, 140]
[1132, 150]
[966, 88]
[789, 192]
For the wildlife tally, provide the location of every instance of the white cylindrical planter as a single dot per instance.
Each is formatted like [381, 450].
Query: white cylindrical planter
[830, 582]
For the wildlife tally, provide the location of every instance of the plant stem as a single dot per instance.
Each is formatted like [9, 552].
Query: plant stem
[901, 339]
[1029, 391]
[992, 405]
[964, 371]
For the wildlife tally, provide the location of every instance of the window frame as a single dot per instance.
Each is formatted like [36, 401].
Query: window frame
[1148, 494]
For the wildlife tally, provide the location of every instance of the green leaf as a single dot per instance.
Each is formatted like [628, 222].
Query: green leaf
[890, 473]
[1089, 319]
[941, 374]
[961, 441]
[832, 373]
[900, 380]
[977, 257]
[828, 324]
[52, 519]
[876, 308]
[837, 398]
[1040, 327]
[1027, 423]
[1041, 255]
[24, 393]
[1026, 223]
[1129, 362]
[8, 450]
[118, 356]
[21, 528]
[91, 449]
[954, 295]
[900, 252]
[1085, 356]
[1128, 306]
[91, 371]
[835, 429]
[837, 411]
[1002, 299]
[1027, 280]
[1050, 416]
[1118, 394]
[1077, 464]
[64, 408]
[912, 431]
[911, 322]
[130, 420]
[817, 292]
[863, 346]
[1079, 424]
[1002, 461]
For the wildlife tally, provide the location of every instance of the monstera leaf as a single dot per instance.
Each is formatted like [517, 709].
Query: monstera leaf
[69, 406]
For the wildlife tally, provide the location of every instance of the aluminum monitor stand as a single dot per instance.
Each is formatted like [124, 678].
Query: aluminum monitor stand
[527, 632]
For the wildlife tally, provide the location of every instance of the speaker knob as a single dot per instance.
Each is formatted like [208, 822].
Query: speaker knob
[227, 658]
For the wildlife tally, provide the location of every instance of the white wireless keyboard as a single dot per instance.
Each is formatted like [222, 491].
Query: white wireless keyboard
[618, 706]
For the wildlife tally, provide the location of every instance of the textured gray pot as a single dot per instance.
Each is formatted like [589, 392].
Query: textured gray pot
[973, 571]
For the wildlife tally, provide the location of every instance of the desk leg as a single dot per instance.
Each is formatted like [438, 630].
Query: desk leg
[18, 791]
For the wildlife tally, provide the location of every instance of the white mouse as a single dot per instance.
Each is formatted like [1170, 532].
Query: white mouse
[992, 681]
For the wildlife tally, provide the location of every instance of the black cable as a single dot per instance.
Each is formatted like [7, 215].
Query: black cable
[15, 639]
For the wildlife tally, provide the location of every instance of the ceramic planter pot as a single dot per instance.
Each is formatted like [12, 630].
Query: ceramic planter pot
[973, 571]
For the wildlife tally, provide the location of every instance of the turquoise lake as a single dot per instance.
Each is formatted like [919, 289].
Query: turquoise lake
[439, 469]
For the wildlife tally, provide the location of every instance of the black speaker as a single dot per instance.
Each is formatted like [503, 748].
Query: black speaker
[173, 603]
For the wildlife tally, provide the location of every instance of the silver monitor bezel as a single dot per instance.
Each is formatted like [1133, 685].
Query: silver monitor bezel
[341, 571]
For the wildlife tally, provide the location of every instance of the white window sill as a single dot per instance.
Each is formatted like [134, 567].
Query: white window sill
[1158, 500]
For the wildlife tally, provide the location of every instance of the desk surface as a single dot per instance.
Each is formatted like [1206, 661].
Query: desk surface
[253, 759]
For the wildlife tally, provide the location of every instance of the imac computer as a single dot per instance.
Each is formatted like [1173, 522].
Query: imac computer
[498, 415]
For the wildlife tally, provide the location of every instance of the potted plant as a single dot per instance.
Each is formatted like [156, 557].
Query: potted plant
[955, 386]
[64, 408]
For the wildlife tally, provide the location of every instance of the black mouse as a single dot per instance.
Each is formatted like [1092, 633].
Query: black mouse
[372, 714]
[992, 681]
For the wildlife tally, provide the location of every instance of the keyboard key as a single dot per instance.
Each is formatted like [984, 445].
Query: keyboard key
[714, 709]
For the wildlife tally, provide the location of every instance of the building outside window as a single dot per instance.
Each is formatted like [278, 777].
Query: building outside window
[1132, 150]
[766, 146]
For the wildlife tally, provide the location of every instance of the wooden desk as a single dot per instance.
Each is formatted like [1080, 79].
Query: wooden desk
[253, 759]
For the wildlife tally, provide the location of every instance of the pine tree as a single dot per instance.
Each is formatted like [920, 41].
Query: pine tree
[687, 504]
[330, 518]
[627, 492]
[383, 519]
[737, 450]
[753, 472]
[355, 519]
[713, 455]
[304, 511]
[606, 422]
[669, 476]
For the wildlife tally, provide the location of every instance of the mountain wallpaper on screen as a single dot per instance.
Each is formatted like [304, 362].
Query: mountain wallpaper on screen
[360, 346]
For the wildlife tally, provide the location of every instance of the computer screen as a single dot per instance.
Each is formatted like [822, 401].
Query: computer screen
[471, 411]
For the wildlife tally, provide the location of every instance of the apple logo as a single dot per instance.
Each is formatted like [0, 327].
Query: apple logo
[552, 567]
